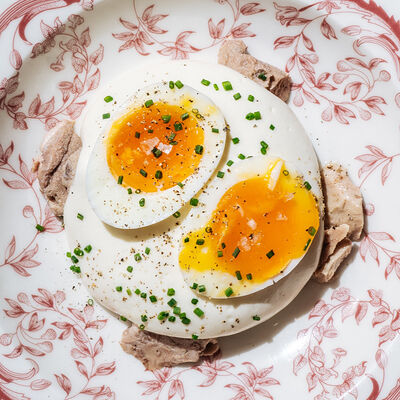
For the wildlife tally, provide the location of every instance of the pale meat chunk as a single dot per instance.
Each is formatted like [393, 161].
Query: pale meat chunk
[157, 351]
[233, 54]
[56, 165]
[333, 236]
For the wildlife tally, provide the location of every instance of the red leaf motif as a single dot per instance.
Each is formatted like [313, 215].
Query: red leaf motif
[75, 109]
[34, 106]
[97, 324]
[82, 369]
[49, 334]
[341, 294]
[381, 236]
[147, 13]
[93, 80]
[395, 324]
[310, 97]
[312, 381]
[361, 311]
[47, 108]
[77, 86]
[380, 316]
[25, 172]
[19, 121]
[97, 56]
[216, 30]
[64, 383]
[105, 369]
[15, 353]
[327, 30]
[376, 297]
[128, 25]
[16, 184]
[33, 351]
[40, 384]
[320, 309]
[11, 84]
[10, 250]
[298, 363]
[327, 114]
[386, 334]
[152, 387]
[353, 88]
[124, 36]
[98, 347]
[348, 310]
[372, 103]
[352, 30]
[357, 61]
[75, 353]
[251, 8]
[85, 40]
[290, 63]
[284, 41]
[76, 313]
[241, 31]
[78, 63]
[46, 300]
[176, 388]
[16, 102]
[16, 309]
[307, 42]
[99, 390]
[341, 112]
[16, 59]
[386, 170]
[381, 358]
[241, 391]
[34, 323]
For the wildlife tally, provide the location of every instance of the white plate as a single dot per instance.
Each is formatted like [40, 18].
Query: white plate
[334, 341]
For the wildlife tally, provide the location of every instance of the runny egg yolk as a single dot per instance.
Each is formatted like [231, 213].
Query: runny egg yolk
[154, 148]
[255, 230]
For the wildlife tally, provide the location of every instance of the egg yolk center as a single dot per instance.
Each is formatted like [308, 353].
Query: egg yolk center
[154, 148]
[256, 230]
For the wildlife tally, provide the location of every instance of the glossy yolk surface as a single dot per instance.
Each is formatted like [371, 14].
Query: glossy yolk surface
[142, 140]
[269, 227]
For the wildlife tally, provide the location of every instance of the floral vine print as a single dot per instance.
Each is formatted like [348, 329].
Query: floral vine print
[355, 77]
[145, 31]
[42, 322]
[248, 384]
[21, 178]
[322, 375]
[73, 42]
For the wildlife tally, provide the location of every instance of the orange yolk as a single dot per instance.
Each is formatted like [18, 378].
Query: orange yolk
[258, 230]
[142, 143]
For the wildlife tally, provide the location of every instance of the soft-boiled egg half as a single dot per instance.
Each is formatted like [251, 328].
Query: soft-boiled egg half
[244, 234]
[160, 147]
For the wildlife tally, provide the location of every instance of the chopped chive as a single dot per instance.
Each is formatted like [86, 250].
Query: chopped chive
[74, 259]
[194, 286]
[250, 116]
[228, 292]
[78, 252]
[250, 98]
[88, 248]
[262, 77]
[223, 245]
[220, 174]
[75, 269]
[120, 179]
[185, 321]
[143, 295]
[180, 184]
[200, 242]
[106, 115]
[137, 191]
[264, 144]
[129, 292]
[249, 277]
[205, 82]
[137, 135]
[198, 312]
[170, 292]
[208, 229]
[215, 130]
[237, 96]
[257, 115]
[137, 291]
[194, 202]
[182, 315]
[143, 173]
[256, 318]
[270, 254]
[162, 315]
[263, 151]
[149, 103]
[307, 185]
[166, 118]
[129, 268]
[216, 86]
[179, 84]
[172, 302]
[184, 116]
[90, 302]
[40, 228]
[153, 299]
[141, 326]
[122, 318]
[118, 288]
[79, 216]
[311, 230]
[144, 318]
[186, 240]
[236, 252]
[220, 253]
[171, 84]
[137, 257]
[198, 149]
[194, 301]
[107, 99]
[194, 337]
[68, 254]
[129, 191]
[272, 127]
[238, 275]
[202, 288]
[147, 250]
[235, 140]
[285, 172]
[177, 126]
[176, 214]
[157, 152]
[158, 174]
[171, 318]
[176, 310]
[227, 85]
[229, 163]
[307, 244]
[241, 156]
[142, 202]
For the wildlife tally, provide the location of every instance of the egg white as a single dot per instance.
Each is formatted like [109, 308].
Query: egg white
[105, 267]
[110, 201]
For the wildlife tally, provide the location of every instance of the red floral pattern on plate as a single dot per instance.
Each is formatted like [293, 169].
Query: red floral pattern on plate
[354, 77]
[42, 322]
[145, 31]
